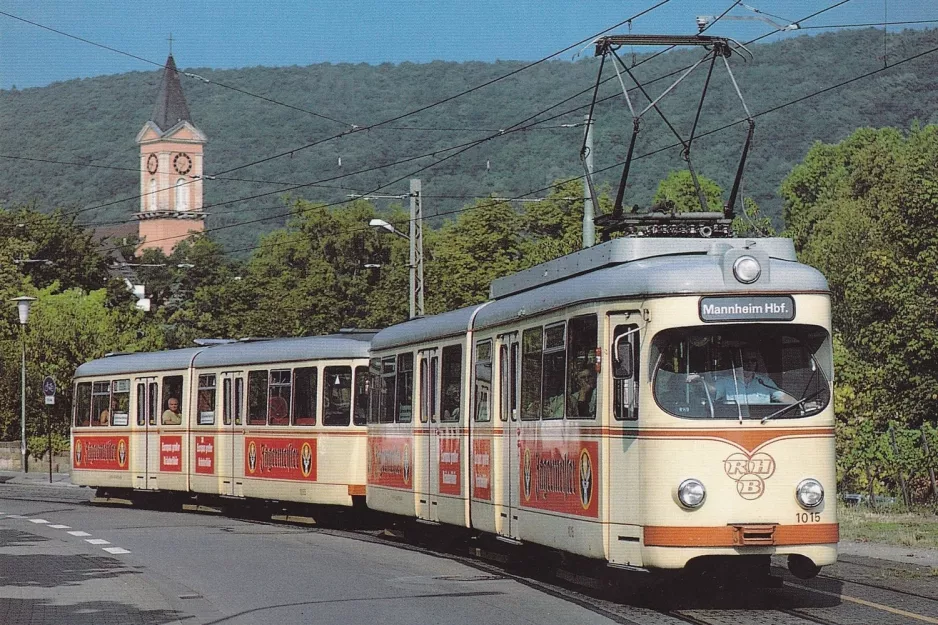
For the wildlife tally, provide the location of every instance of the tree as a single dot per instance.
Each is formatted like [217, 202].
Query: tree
[678, 189]
[65, 329]
[57, 249]
[865, 212]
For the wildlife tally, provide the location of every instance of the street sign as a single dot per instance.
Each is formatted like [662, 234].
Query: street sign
[48, 389]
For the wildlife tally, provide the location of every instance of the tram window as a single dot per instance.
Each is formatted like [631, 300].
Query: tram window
[532, 341]
[337, 395]
[451, 382]
[507, 392]
[377, 389]
[226, 400]
[582, 340]
[120, 402]
[101, 403]
[362, 387]
[172, 392]
[239, 400]
[278, 397]
[387, 390]
[305, 381]
[153, 401]
[141, 404]
[83, 404]
[554, 367]
[405, 388]
[483, 381]
[753, 371]
[624, 350]
[434, 387]
[257, 397]
[423, 384]
[206, 415]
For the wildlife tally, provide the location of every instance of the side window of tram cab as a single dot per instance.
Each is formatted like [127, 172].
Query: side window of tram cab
[625, 372]
[82, 404]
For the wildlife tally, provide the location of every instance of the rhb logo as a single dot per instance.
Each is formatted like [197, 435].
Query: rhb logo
[749, 472]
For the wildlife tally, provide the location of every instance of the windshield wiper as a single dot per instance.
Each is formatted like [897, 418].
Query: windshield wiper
[790, 406]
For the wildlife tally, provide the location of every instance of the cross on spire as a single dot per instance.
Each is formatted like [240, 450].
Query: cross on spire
[170, 43]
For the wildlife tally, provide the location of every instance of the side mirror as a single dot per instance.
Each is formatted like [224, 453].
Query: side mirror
[622, 356]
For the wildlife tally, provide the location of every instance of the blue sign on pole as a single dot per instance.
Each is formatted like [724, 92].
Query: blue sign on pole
[48, 389]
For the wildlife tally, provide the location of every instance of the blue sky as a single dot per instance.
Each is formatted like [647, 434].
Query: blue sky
[240, 33]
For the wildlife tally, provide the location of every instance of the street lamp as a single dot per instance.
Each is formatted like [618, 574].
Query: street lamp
[23, 303]
[416, 247]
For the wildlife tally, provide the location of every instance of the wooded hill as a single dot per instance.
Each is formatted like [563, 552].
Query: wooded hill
[71, 144]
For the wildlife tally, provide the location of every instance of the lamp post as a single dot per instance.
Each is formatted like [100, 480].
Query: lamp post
[416, 247]
[22, 305]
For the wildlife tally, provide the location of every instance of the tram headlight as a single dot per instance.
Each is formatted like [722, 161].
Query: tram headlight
[691, 493]
[809, 493]
[747, 269]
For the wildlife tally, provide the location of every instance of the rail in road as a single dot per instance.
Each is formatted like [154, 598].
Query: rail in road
[857, 590]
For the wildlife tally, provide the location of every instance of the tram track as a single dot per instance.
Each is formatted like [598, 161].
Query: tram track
[621, 605]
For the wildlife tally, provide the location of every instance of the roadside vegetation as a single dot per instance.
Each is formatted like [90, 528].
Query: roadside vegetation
[889, 525]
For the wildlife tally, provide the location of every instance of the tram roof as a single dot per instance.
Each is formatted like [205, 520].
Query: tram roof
[628, 268]
[332, 346]
[327, 347]
[677, 274]
[627, 250]
[142, 362]
[452, 323]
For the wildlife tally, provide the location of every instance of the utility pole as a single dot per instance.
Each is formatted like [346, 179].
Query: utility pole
[416, 249]
[589, 228]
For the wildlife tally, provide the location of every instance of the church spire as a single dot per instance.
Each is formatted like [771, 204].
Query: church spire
[170, 107]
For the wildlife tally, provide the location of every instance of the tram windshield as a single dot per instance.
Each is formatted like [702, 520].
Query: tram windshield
[742, 371]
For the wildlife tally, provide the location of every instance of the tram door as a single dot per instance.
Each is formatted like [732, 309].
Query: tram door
[428, 446]
[147, 438]
[231, 440]
[509, 370]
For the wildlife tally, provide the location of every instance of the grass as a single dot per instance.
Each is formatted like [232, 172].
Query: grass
[889, 526]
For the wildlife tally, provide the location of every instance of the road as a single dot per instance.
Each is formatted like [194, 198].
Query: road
[66, 561]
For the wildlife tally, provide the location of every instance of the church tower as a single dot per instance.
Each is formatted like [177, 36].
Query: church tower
[170, 169]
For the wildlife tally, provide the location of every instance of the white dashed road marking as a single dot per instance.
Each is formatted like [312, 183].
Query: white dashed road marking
[77, 533]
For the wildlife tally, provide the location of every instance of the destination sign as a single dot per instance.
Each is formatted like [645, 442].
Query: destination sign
[748, 308]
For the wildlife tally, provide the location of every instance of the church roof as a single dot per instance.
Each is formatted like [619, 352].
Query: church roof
[170, 107]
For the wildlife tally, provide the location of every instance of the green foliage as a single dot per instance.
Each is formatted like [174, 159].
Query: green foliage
[869, 462]
[37, 446]
[678, 190]
[865, 212]
[83, 120]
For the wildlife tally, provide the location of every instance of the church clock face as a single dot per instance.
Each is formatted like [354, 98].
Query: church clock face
[182, 163]
[153, 163]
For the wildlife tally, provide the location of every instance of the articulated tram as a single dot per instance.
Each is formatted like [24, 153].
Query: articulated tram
[652, 403]
[278, 419]
[647, 403]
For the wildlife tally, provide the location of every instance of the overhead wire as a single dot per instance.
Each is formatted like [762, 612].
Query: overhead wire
[355, 129]
[707, 133]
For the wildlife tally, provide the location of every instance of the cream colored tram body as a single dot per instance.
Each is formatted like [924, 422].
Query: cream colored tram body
[647, 403]
[278, 419]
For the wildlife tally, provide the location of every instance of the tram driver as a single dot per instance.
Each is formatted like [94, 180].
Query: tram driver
[748, 384]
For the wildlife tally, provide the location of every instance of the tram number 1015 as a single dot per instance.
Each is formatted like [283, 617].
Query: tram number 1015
[808, 517]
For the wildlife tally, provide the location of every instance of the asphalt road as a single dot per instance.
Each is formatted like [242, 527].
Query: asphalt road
[66, 561]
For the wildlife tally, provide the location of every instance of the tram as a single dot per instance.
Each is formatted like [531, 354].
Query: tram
[647, 403]
[277, 419]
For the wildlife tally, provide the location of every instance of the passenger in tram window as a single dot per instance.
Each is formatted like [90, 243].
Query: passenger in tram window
[451, 403]
[172, 416]
[583, 398]
[105, 417]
